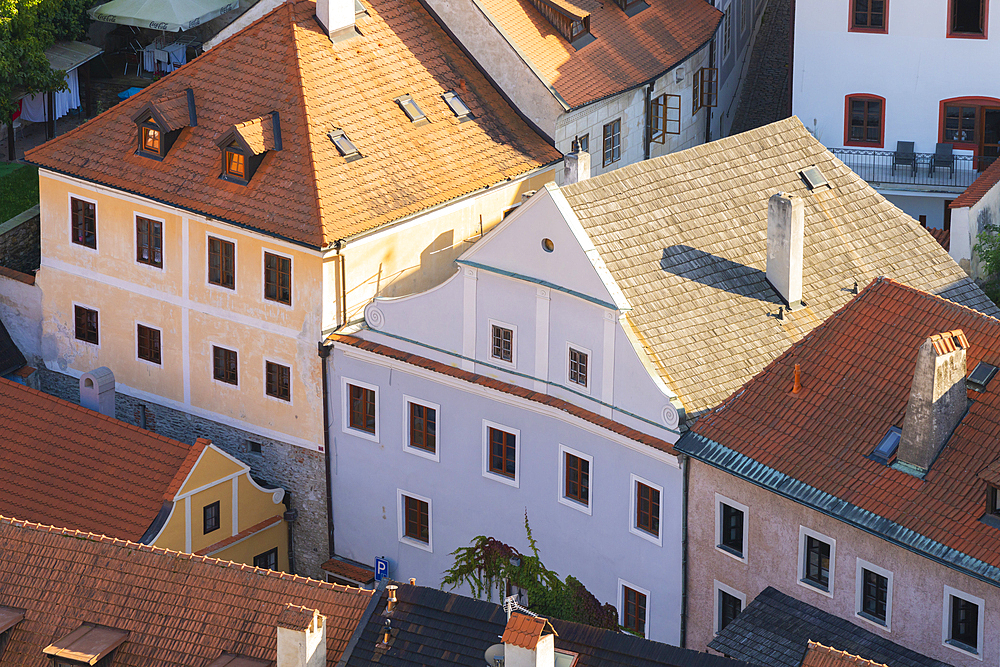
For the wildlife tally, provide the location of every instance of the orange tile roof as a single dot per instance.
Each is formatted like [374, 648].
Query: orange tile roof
[979, 187]
[523, 630]
[856, 372]
[350, 571]
[818, 655]
[296, 617]
[65, 464]
[627, 51]
[507, 388]
[179, 609]
[307, 192]
[242, 535]
[942, 236]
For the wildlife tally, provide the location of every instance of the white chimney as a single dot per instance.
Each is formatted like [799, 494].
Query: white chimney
[97, 391]
[301, 637]
[785, 229]
[337, 18]
[525, 643]
[576, 165]
[938, 400]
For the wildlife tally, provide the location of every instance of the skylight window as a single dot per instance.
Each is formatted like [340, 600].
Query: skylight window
[887, 447]
[814, 178]
[457, 106]
[981, 376]
[412, 111]
[344, 145]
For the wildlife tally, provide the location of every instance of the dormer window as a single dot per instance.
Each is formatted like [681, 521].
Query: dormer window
[569, 21]
[235, 162]
[344, 145]
[87, 645]
[993, 501]
[631, 7]
[159, 123]
[150, 139]
[457, 106]
[412, 111]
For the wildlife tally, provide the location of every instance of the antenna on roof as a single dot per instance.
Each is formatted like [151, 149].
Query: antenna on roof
[510, 605]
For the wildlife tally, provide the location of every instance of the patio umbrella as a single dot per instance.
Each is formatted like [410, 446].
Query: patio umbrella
[171, 15]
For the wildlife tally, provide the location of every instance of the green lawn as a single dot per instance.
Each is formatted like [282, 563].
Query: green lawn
[18, 189]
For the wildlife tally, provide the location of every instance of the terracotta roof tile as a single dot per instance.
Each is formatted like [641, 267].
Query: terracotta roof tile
[307, 192]
[181, 609]
[979, 187]
[65, 464]
[857, 368]
[258, 133]
[523, 631]
[692, 264]
[818, 655]
[341, 568]
[295, 617]
[174, 111]
[942, 236]
[627, 51]
[505, 387]
[243, 534]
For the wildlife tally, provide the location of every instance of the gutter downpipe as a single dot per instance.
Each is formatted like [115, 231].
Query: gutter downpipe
[647, 135]
[685, 462]
[708, 110]
[324, 355]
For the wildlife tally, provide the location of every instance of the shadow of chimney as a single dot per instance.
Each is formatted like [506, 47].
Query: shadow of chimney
[719, 273]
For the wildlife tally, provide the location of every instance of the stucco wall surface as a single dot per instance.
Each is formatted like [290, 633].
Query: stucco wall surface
[21, 313]
[772, 559]
[966, 226]
[597, 547]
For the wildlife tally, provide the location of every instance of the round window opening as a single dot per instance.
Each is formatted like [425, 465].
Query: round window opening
[548, 245]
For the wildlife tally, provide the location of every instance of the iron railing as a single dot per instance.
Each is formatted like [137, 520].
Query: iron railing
[922, 169]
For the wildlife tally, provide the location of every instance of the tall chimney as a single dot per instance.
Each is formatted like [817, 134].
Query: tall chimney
[97, 390]
[301, 637]
[576, 165]
[337, 18]
[938, 400]
[785, 228]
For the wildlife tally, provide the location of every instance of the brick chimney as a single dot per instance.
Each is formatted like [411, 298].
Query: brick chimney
[938, 400]
[337, 18]
[301, 637]
[526, 644]
[785, 229]
[576, 165]
[97, 390]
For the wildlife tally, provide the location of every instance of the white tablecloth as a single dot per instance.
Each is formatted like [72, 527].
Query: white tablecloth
[174, 55]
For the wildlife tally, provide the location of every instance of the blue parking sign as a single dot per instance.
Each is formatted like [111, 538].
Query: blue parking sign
[381, 568]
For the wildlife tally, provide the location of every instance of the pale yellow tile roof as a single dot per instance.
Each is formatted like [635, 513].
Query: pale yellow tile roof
[685, 237]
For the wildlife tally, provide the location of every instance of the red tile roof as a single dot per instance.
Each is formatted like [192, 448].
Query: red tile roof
[349, 571]
[979, 187]
[627, 51]
[942, 236]
[65, 464]
[818, 655]
[179, 609]
[507, 388]
[856, 370]
[242, 535]
[307, 192]
[523, 631]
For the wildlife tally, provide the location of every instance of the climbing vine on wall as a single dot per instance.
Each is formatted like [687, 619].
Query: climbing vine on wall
[488, 564]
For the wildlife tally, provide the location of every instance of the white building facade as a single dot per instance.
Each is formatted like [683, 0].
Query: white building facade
[526, 392]
[903, 72]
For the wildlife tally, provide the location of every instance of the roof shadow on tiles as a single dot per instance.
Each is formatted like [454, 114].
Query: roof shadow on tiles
[711, 270]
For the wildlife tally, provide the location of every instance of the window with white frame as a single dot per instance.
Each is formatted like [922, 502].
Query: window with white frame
[817, 556]
[575, 475]
[421, 427]
[633, 607]
[501, 459]
[731, 527]
[414, 522]
[962, 621]
[646, 510]
[578, 369]
[873, 596]
[503, 343]
[360, 409]
[729, 602]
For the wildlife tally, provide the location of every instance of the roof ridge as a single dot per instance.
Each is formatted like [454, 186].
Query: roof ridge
[816, 646]
[128, 544]
[185, 468]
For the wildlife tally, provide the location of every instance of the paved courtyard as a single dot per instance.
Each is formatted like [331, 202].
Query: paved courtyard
[766, 89]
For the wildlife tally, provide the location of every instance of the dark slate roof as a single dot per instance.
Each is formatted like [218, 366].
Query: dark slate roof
[432, 627]
[11, 358]
[775, 630]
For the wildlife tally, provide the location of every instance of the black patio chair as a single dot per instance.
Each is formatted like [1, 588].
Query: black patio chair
[904, 157]
[944, 156]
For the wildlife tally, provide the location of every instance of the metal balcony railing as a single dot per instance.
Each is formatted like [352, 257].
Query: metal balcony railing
[920, 169]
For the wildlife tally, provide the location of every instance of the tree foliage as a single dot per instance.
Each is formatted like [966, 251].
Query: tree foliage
[27, 29]
[487, 564]
[988, 250]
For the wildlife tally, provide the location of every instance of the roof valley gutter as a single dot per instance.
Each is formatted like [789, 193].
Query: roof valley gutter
[444, 26]
[207, 216]
[690, 440]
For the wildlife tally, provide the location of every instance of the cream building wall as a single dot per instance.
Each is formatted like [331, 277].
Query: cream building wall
[772, 555]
